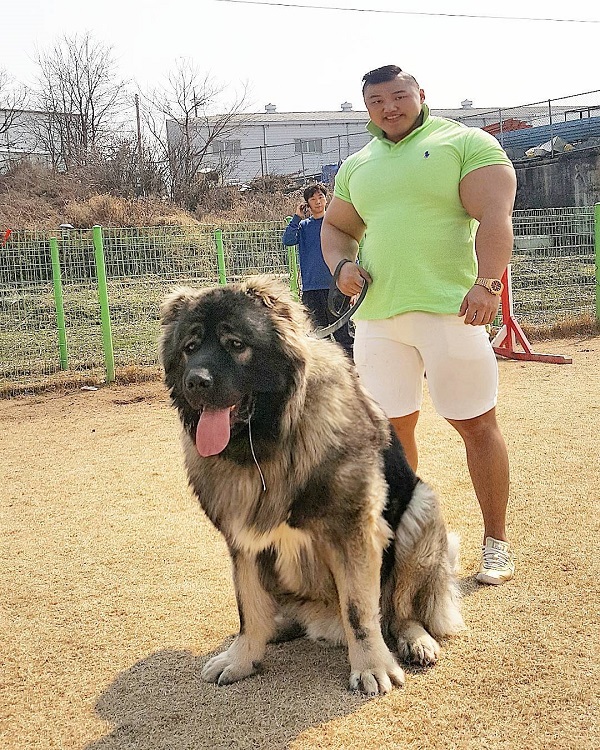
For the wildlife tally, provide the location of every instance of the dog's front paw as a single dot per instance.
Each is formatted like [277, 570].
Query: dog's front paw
[378, 680]
[423, 650]
[224, 669]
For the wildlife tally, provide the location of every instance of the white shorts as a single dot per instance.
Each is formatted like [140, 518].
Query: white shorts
[393, 355]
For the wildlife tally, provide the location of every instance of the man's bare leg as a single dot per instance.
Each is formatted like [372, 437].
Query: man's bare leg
[487, 459]
[404, 427]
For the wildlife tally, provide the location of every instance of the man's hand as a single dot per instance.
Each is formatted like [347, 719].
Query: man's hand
[479, 306]
[301, 210]
[351, 279]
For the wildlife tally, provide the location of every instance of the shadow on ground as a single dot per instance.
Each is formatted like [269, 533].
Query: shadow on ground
[161, 703]
[468, 585]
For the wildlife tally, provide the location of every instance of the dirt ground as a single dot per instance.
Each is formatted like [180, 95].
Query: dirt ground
[116, 589]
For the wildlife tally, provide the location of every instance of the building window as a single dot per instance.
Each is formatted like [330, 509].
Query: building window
[309, 146]
[226, 147]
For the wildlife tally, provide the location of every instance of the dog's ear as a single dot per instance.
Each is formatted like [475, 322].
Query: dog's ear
[269, 290]
[275, 295]
[173, 305]
[171, 310]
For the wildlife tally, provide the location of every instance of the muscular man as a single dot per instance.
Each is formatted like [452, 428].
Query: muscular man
[434, 202]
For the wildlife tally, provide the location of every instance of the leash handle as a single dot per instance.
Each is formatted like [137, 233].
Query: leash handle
[339, 303]
[335, 295]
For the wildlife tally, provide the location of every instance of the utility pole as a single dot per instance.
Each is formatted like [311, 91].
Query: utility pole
[139, 142]
[266, 172]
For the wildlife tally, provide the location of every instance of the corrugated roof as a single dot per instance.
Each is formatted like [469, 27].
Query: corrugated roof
[265, 118]
[359, 116]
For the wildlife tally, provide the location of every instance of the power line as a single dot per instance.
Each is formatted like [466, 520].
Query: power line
[410, 12]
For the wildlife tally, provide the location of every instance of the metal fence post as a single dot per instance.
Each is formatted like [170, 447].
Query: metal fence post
[550, 123]
[597, 249]
[293, 266]
[107, 342]
[220, 256]
[58, 303]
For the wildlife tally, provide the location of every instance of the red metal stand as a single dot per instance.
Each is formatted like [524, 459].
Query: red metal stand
[505, 341]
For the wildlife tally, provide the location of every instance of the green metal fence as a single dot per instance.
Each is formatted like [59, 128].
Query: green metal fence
[553, 264]
[83, 304]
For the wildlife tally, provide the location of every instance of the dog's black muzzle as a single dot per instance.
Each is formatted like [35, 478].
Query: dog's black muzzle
[197, 381]
[204, 388]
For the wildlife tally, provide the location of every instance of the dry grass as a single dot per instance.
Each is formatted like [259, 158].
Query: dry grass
[117, 589]
[56, 383]
[111, 211]
[581, 325]
[33, 197]
[62, 383]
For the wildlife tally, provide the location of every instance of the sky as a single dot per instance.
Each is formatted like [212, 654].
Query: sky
[307, 59]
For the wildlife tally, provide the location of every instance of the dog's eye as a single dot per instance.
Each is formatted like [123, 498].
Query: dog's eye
[189, 347]
[231, 342]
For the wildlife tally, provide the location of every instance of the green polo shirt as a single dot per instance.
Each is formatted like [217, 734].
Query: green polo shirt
[419, 244]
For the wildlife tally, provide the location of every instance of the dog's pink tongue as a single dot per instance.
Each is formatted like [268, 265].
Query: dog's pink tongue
[212, 433]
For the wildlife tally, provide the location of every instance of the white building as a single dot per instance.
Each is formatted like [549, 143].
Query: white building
[305, 144]
[20, 136]
[278, 143]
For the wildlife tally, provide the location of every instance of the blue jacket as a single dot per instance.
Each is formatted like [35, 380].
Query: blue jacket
[306, 233]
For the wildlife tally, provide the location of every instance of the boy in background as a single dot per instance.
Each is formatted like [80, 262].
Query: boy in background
[316, 278]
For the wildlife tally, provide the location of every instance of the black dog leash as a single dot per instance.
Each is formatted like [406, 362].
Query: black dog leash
[339, 304]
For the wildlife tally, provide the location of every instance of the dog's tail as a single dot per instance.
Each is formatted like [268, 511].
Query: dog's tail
[453, 551]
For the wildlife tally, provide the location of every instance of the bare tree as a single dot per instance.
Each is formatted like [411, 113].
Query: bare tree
[12, 102]
[183, 132]
[79, 88]
[121, 170]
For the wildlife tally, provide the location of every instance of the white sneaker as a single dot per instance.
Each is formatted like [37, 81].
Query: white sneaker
[497, 565]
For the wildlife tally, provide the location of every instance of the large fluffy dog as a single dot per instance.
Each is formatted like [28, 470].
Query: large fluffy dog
[329, 530]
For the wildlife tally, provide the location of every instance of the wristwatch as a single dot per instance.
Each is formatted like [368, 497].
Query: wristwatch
[494, 286]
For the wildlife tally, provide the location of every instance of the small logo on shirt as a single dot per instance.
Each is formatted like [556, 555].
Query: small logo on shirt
[426, 155]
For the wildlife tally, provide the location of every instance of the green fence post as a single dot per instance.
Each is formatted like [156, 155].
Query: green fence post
[597, 244]
[107, 342]
[58, 303]
[220, 256]
[293, 266]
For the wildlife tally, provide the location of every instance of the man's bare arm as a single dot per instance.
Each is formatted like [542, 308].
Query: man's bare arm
[341, 232]
[488, 195]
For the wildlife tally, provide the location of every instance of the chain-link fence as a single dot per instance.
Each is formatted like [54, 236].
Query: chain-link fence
[141, 265]
[28, 323]
[542, 128]
[53, 321]
[254, 248]
[554, 276]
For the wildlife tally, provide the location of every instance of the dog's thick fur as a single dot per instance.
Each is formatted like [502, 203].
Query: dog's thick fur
[330, 532]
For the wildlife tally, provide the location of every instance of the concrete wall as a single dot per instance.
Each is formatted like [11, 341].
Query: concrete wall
[571, 179]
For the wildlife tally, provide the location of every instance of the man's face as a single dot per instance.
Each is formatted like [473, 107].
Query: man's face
[317, 203]
[394, 106]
